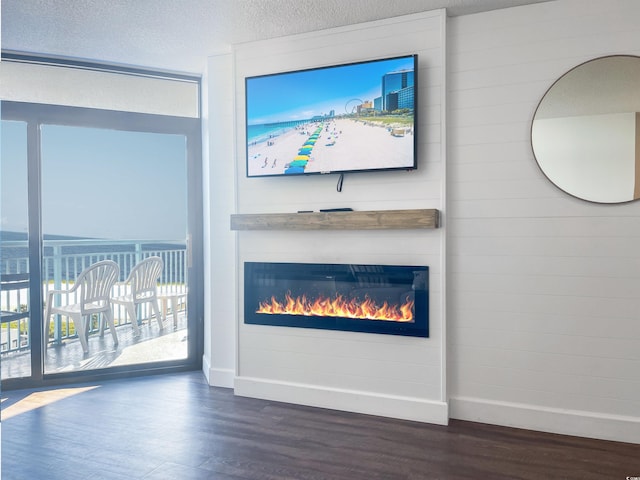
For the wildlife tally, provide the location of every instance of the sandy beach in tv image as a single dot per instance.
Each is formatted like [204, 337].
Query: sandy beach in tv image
[332, 145]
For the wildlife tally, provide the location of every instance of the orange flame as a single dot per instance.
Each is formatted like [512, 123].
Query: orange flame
[338, 307]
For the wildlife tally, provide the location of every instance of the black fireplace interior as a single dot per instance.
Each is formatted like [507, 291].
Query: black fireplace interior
[385, 299]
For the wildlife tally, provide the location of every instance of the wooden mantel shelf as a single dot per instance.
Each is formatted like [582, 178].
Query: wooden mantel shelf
[355, 220]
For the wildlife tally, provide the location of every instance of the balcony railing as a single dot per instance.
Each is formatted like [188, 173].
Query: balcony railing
[63, 260]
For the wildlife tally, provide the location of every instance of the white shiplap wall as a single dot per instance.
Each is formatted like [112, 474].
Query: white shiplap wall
[544, 289]
[379, 374]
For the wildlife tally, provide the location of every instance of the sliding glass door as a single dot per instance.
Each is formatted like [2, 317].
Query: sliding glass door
[121, 196]
[102, 187]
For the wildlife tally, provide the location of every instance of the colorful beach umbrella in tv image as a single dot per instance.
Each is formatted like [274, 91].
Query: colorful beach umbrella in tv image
[298, 163]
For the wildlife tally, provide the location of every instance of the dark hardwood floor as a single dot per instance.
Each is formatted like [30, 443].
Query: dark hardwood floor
[176, 427]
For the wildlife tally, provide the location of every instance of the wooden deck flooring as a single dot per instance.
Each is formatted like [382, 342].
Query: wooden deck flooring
[151, 346]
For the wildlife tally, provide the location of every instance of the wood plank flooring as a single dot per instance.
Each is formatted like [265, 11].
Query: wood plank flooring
[176, 427]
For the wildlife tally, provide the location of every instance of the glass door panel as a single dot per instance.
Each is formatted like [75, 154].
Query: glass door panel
[119, 196]
[15, 327]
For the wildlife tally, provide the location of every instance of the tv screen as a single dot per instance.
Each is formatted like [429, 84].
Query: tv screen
[344, 118]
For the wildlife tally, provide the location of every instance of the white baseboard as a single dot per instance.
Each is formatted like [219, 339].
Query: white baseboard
[406, 408]
[567, 422]
[217, 377]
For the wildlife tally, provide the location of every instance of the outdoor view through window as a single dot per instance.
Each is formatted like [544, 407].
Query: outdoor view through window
[105, 195]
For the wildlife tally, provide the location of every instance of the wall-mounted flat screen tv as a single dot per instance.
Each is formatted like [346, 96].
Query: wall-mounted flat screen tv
[354, 117]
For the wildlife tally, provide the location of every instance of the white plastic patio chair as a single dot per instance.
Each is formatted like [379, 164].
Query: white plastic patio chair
[92, 291]
[142, 287]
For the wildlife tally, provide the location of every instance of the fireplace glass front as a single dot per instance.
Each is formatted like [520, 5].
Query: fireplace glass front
[384, 299]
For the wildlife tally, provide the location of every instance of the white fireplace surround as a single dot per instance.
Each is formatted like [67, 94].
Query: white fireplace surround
[333, 369]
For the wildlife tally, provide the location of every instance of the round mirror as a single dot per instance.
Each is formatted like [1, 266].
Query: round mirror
[585, 132]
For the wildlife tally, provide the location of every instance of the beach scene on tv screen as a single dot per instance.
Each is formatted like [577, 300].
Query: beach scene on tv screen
[344, 118]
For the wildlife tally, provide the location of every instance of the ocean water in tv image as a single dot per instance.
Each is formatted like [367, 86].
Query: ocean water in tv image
[262, 133]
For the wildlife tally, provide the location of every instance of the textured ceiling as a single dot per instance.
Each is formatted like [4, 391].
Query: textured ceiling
[178, 35]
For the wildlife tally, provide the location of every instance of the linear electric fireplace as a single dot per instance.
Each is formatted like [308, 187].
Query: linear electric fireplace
[387, 299]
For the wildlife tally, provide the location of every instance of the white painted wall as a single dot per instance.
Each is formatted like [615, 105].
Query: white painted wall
[544, 290]
[380, 374]
[78, 87]
[219, 358]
